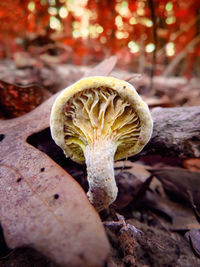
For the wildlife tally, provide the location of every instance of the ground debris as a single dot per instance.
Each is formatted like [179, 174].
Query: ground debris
[125, 234]
[136, 244]
[193, 237]
[157, 206]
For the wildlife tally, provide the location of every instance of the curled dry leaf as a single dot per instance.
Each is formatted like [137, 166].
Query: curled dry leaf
[41, 205]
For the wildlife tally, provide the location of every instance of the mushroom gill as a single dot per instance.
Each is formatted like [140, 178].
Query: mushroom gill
[96, 115]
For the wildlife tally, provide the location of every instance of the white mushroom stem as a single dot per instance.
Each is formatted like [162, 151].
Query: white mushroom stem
[99, 159]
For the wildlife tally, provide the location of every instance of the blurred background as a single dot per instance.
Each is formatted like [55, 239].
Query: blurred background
[83, 32]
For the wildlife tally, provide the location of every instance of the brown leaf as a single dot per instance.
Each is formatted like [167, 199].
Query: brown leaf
[128, 186]
[104, 68]
[192, 164]
[17, 100]
[24, 60]
[137, 169]
[42, 206]
[25, 257]
[194, 238]
[180, 181]
[181, 217]
[154, 101]
[130, 178]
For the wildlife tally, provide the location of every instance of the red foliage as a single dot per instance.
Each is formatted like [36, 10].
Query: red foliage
[17, 20]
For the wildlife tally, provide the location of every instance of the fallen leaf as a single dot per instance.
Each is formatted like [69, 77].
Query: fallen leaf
[194, 238]
[130, 178]
[163, 101]
[104, 68]
[194, 206]
[128, 186]
[17, 100]
[192, 164]
[24, 59]
[137, 169]
[180, 182]
[180, 216]
[42, 206]
[25, 257]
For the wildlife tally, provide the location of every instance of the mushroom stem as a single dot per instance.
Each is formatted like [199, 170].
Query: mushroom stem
[99, 159]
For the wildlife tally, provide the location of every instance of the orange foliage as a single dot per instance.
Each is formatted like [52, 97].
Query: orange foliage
[134, 24]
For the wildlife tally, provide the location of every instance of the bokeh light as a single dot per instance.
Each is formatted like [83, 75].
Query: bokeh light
[95, 29]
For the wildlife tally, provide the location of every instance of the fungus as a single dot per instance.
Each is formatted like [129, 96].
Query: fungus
[98, 120]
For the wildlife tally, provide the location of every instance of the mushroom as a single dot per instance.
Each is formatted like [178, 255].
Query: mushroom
[98, 120]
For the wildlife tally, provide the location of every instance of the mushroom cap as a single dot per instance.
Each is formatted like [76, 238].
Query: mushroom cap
[100, 107]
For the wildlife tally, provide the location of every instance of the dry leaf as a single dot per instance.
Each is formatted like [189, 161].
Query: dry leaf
[104, 68]
[154, 101]
[192, 164]
[24, 60]
[194, 238]
[130, 178]
[181, 217]
[17, 100]
[180, 182]
[128, 186]
[137, 169]
[42, 206]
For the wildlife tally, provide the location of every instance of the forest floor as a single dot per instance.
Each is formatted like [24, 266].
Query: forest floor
[155, 221]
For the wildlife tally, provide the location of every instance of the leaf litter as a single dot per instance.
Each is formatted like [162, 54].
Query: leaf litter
[156, 211]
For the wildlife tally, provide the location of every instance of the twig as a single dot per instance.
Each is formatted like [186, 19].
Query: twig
[175, 35]
[181, 55]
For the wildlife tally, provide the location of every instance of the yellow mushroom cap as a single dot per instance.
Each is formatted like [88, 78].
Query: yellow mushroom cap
[100, 107]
